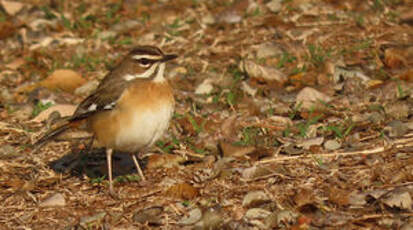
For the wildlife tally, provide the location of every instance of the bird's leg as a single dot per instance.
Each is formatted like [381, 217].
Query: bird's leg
[109, 162]
[138, 167]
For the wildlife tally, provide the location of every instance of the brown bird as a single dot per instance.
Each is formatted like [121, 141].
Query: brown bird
[130, 109]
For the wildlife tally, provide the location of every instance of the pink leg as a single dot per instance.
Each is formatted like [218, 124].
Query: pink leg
[138, 167]
[109, 162]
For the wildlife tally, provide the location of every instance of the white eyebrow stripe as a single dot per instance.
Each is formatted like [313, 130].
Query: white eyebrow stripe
[146, 74]
[151, 57]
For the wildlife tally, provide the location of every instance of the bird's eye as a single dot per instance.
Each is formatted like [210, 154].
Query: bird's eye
[144, 61]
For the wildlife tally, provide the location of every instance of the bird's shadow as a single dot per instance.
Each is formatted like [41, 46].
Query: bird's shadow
[93, 164]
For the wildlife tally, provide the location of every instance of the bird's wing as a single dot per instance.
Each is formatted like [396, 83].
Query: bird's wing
[103, 98]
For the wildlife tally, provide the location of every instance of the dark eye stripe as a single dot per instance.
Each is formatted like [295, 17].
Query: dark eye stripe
[145, 61]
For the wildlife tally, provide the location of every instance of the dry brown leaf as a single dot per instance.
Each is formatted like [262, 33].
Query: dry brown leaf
[307, 143]
[372, 84]
[164, 161]
[308, 98]
[182, 191]
[394, 58]
[303, 197]
[64, 110]
[230, 150]
[303, 79]
[399, 199]
[16, 63]
[255, 171]
[187, 126]
[6, 29]
[264, 73]
[407, 16]
[12, 7]
[281, 121]
[205, 87]
[338, 196]
[63, 79]
[316, 113]
[228, 126]
[406, 76]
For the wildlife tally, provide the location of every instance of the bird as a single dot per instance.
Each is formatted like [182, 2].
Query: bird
[129, 110]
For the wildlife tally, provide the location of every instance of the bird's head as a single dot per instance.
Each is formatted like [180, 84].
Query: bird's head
[147, 62]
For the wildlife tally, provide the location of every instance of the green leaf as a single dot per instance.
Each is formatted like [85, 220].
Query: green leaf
[41, 107]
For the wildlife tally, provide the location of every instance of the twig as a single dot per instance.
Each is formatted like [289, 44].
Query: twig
[376, 216]
[266, 177]
[327, 155]
[322, 23]
[189, 153]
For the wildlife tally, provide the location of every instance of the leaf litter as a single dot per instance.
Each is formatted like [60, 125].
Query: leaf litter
[302, 107]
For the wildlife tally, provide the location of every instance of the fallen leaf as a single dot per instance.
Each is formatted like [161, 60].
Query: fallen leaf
[399, 199]
[6, 29]
[274, 6]
[304, 220]
[254, 199]
[281, 121]
[64, 110]
[302, 79]
[150, 215]
[257, 213]
[87, 88]
[193, 216]
[182, 191]
[338, 196]
[254, 172]
[269, 49]
[332, 145]
[406, 76]
[357, 200]
[56, 200]
[205, 87]
[307, 143]
[228, 149]
[407, 16]
[303, 197]
[308, 98]
[16, 63]
[372, 84]
[63, 79]
[264, 73]
[394, 58]
[11, 7]
[228, 126]
[164, 160]
[248, 89]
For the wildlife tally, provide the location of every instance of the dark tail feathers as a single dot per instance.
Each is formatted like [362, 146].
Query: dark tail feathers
[52, 134]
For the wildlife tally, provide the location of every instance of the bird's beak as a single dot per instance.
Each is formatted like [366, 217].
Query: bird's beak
[168, 57]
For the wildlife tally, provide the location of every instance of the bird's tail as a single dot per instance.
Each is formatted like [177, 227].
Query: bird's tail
[52, 134]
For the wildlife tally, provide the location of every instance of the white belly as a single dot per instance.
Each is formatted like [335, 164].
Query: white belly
[143, 128]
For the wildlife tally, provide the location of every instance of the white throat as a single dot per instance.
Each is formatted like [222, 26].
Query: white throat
[159, 75]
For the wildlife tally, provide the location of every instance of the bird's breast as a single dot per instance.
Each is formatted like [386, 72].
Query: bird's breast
[140, 118]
